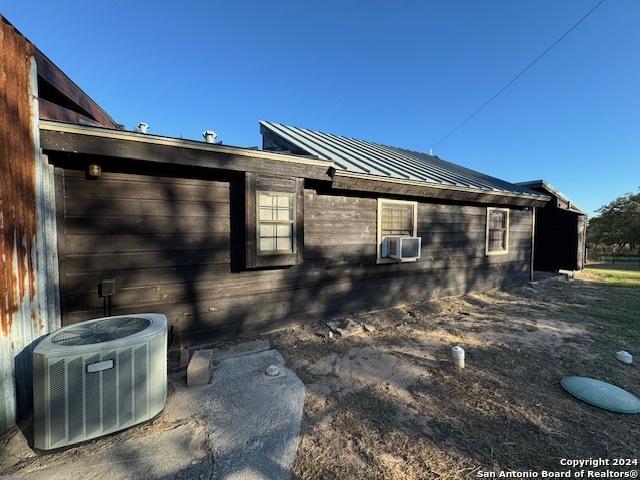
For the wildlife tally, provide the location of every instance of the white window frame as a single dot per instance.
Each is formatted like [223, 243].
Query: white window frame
[497, 252]
[381, 202]
[291, 222]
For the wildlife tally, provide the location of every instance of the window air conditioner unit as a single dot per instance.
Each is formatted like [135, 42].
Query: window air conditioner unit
[402, 248]
[97, 377]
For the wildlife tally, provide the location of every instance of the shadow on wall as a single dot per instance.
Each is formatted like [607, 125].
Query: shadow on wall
[174, 241]
[162, 238]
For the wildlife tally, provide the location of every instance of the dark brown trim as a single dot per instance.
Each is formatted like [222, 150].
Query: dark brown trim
[299, 219]
[250, 218]
[427, 192]
[255, 183]
[58, 80]
[51, 111]
[58, 185]
[110, 147]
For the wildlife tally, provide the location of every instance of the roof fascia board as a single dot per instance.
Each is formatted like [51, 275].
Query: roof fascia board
[439, 191]
[553, 191]
[62, 127]
[575, 212]
[178, 155]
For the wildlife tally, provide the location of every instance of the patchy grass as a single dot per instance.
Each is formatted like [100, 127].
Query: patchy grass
[613, 275]
[389, 404]
[616, 316]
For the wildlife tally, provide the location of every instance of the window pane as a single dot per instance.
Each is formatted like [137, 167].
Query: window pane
[267, 230]
[496, 240]
[397, 219]
[284, 230]
[265, 200]
[266, 213]
[275, 217]
[267, 244]
[284, 244]
[285, 214]
[497, 230]
[284, 201]
[497, 219]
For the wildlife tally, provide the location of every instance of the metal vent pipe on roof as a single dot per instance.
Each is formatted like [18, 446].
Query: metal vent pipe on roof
[142, 127]
[209, 136]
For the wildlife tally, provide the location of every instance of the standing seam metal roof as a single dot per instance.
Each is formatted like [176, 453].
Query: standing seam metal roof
[371, 158]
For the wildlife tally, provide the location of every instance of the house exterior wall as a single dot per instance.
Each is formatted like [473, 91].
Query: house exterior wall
[174, 242]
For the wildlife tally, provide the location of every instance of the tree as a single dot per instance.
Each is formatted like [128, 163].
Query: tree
[617, 223]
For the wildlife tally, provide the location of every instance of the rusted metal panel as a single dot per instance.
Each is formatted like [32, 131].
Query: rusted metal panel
[17, 206]
[17, 182]
[23, 251]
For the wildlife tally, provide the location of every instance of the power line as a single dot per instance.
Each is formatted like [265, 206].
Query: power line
[494, 96]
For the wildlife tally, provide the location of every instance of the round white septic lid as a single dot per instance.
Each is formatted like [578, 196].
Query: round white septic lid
[601, 394]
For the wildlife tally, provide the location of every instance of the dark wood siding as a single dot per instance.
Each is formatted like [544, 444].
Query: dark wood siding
[173, 246]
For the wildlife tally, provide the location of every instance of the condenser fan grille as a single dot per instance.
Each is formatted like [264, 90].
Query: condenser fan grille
[100, 331]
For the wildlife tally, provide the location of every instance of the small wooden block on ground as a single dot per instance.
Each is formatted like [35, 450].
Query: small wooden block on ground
[199, 369]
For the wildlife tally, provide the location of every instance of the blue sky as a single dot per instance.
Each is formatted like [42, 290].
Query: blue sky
[400, 73]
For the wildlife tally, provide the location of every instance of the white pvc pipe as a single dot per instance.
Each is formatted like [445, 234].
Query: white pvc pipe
[457, 353]
[624, 357]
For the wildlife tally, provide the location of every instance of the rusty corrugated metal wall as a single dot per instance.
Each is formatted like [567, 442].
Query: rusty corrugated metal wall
[25, 211]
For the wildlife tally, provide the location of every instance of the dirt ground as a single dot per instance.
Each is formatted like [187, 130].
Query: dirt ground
[389, 404]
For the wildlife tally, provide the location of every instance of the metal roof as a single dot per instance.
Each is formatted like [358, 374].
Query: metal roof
[550, 189]
[360, 156]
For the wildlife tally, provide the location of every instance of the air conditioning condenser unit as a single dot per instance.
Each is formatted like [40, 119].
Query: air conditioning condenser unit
[97, 377]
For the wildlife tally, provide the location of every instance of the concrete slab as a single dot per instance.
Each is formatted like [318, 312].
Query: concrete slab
[255, 420]
[245, 348]
[178, 453]
[244, 425]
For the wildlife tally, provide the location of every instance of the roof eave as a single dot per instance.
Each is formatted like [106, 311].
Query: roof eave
[553, 191]
[481, 194]
[437, 191]
[94, 131]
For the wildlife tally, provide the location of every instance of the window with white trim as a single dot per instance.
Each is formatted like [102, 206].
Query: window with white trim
[275, 222]
[395, 217]
[497, 231]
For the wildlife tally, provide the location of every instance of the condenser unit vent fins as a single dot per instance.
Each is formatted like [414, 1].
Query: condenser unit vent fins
[92, 390]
